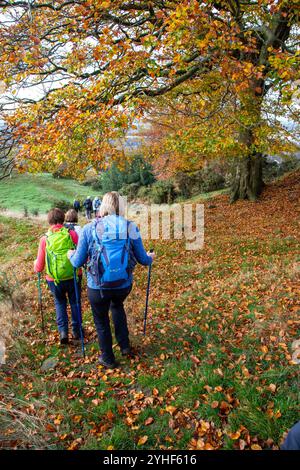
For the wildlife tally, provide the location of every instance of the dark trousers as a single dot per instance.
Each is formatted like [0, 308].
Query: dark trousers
[101, 302]
[88, 214]
[62, 292]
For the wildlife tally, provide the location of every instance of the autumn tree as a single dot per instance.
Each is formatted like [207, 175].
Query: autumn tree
[73, 67]
[198, 124]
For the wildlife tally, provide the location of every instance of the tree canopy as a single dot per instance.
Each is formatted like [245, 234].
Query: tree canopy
[77, 73]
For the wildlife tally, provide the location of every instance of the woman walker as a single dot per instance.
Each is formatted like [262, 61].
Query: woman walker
[111, 246]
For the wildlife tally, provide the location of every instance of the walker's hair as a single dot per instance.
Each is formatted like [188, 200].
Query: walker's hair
[56, 216]
[112, 203]
[71, 216]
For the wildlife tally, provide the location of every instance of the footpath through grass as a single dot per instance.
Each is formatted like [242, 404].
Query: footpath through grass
[39, 191]
[215, 369]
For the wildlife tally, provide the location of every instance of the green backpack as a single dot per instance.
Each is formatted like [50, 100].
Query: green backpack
[58, 266]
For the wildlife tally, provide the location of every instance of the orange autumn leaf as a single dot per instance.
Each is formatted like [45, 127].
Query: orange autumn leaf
[142, 440]
[235, 435]
[75, 444]
[195, 360]
[148, 421]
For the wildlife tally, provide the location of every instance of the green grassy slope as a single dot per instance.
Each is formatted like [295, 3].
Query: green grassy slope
[39, 191]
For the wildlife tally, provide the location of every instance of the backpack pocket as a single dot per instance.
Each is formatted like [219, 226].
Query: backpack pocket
[114, 259]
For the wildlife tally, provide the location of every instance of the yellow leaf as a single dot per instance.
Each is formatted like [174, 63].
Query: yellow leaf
[171, 409]
[256, 447]
[200, 444]
[58, 419]
[277, 414]
[142, 440]
[77, 418]
[245, 371]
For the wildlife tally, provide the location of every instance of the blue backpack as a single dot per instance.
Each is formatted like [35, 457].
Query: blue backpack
[111, 260]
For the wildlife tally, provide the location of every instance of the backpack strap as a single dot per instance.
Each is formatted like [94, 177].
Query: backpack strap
[96, 238]
[69, 226]
[131, 258]
[97, 243]
[47, 255]
[53, 275]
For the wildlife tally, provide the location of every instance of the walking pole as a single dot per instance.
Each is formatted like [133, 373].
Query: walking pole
[147, 295]
[79, 312]
[40, 301]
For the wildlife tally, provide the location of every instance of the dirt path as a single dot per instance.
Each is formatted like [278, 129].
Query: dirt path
[20, 215]
[133, 211]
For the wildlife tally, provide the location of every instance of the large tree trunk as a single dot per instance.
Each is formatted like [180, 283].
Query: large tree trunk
[248, 182]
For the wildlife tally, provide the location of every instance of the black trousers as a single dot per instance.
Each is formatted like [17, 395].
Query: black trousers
[101, 303]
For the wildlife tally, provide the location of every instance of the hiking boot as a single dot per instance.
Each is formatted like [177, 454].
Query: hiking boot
[63, 336]
[107, 364]
[126, 351]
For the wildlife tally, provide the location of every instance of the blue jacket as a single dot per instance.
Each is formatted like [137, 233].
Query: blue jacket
[85, 243]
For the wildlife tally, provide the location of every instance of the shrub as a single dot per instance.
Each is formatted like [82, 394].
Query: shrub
[97, 185]
[35, 212]
[25, 211]
[61, 171]
[184, 183]
[144, 193]
[163, 192]
[112, 179]
[92, 181]
[210, 178]
[130, 190]
[62, 204]
[273, 169]
[137, 171]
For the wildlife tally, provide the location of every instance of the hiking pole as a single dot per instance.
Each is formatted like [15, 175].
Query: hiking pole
[40, 301]
[79, 312]
[147, 295]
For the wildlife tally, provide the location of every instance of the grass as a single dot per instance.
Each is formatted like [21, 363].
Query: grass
[17, 239]
[214, 370]
[37, 192]
[207, 196]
